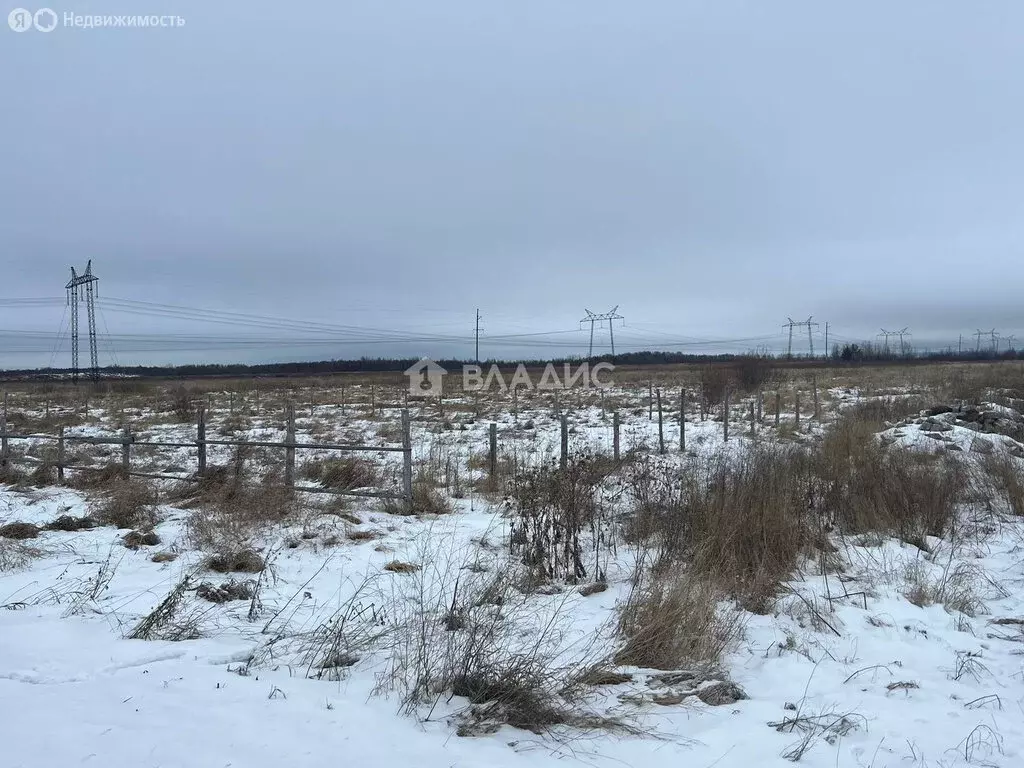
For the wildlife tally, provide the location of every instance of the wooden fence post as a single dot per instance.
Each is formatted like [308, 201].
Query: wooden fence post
[61, 456]
[650, 400]
[796, 408]
[753, 420]
[564, 461]
[725, 416]
[342, 399]
[126, 450]
[407, 460]
[201, 440]
[5, 447]
[814, 383]
[615, 435]
[289, 454]
[778, 407]
[701, 397]
[682, 420]
[661, 426]
[760, 406]
[493, 453]
[373, 398]
[515, 403]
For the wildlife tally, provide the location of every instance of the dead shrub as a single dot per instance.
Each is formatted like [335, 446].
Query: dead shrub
[169, 620]
[560, 529]
[16, 554]
[19, 531]
[128, 504]
[673, 620]
[715, 381]
[752, 372]
[181, 403]
[12, 475]
[472, 634]
[344, 474]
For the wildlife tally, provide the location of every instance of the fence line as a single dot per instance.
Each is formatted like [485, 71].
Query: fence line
[127, 441]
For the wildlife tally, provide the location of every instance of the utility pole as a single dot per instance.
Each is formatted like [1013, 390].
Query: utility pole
[826, 341]
[810, 340]
[90, 281]
[596, 319]
[960, 346]
[477, 336]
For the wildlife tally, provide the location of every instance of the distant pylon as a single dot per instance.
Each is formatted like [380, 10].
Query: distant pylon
[90, 281]
[793, 323]
[593, 318]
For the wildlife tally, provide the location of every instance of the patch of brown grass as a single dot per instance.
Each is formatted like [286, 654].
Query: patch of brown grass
[19, 531]
[347, 473]
[127, 504]
[241, 561]
[672, 620]
[397, 566]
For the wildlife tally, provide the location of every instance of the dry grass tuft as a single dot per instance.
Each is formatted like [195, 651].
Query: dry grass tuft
[71, 524]
[128, 504]
[137, 539]
[345, 474]
[397, 566]
[226, 592]
[863, 487]
[19, 531]
[241, 561]
[426, 500]
[1006, 478]
[674, 620]
[98, 479]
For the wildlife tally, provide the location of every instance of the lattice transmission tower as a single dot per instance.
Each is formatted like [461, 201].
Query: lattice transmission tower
[597, 319]
[75, 296]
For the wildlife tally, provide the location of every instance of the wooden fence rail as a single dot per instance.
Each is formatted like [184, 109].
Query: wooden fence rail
[291, 445]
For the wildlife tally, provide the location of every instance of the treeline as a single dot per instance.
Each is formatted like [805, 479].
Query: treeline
[846, 353]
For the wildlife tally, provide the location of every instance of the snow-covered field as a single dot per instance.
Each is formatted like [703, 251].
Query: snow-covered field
[845, 670]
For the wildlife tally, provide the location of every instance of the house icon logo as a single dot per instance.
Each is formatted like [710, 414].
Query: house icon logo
[425, 378]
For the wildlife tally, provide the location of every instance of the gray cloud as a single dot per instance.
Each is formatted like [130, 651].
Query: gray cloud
[709, 167]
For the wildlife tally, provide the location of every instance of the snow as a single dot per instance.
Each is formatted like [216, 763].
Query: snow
[902, 685]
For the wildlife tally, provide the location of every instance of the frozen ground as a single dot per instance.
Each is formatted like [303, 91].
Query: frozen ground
[893, 683]
[847, 671]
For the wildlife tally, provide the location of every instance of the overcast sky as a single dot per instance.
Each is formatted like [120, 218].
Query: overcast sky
[711, 167]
